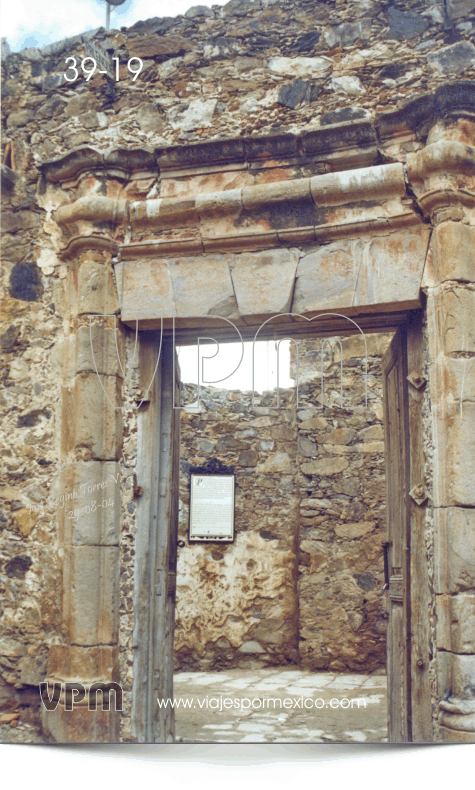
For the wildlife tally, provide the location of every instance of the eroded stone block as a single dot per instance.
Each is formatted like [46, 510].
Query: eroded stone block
[454, 312]
[391, 268]
[456, 623]
[453, 380]
[96, 290]
[452, 59]
[456, 682]
[87, 664]
[325, 466]
[100, 350]
[90, 594]
[453, 249]
[454, 546]
[87, 500]
[327, 277]
[454, 472]
[255, 276]
[148, 291]
[90, 420]
[356, 530]
[203, 287]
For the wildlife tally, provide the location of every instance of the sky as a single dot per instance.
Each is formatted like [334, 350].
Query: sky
[228, 358]
[35, 23]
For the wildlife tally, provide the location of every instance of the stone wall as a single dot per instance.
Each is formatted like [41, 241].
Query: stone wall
[309, 492]
[342, 507]
[241, 71]
[236, 603]
[250, 66]
[30, 323]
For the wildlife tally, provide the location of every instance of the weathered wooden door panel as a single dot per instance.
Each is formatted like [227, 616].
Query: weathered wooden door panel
[155, 560]
[394, 366]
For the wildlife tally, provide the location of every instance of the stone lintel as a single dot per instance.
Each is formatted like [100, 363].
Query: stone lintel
[345, 276]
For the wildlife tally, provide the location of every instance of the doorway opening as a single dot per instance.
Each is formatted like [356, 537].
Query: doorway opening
[293, 608]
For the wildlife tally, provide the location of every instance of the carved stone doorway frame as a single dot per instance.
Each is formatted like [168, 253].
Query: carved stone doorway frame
[407, 232]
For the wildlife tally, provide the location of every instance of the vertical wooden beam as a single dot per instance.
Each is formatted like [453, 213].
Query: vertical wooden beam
[394, 366]
[167, 527]
[155, 557]
[422, 729]
[144, 594]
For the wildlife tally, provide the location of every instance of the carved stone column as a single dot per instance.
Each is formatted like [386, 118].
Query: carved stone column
[89, 513]
[443, 178]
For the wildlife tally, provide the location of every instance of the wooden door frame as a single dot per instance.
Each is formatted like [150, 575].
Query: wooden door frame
[158, 425]
[417, 595]
[397, 543]
[421, 603]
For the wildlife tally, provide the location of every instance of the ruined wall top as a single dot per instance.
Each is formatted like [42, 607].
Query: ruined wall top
[250, 67]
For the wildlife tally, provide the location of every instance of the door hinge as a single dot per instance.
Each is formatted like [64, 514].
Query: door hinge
[418, 494]
[396, 588]
[417, 381]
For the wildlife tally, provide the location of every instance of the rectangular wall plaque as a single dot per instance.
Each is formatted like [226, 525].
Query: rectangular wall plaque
[212, 507]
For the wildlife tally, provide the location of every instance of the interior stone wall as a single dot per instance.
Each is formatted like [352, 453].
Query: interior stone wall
[310, 492]
[342, 507]
[236, 603]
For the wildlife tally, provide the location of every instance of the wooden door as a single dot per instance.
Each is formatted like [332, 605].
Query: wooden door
[409, 595]
[395, 394]
[158, 428]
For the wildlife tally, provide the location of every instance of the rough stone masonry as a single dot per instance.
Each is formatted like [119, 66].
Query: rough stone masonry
[266, 147]
[302, 582]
